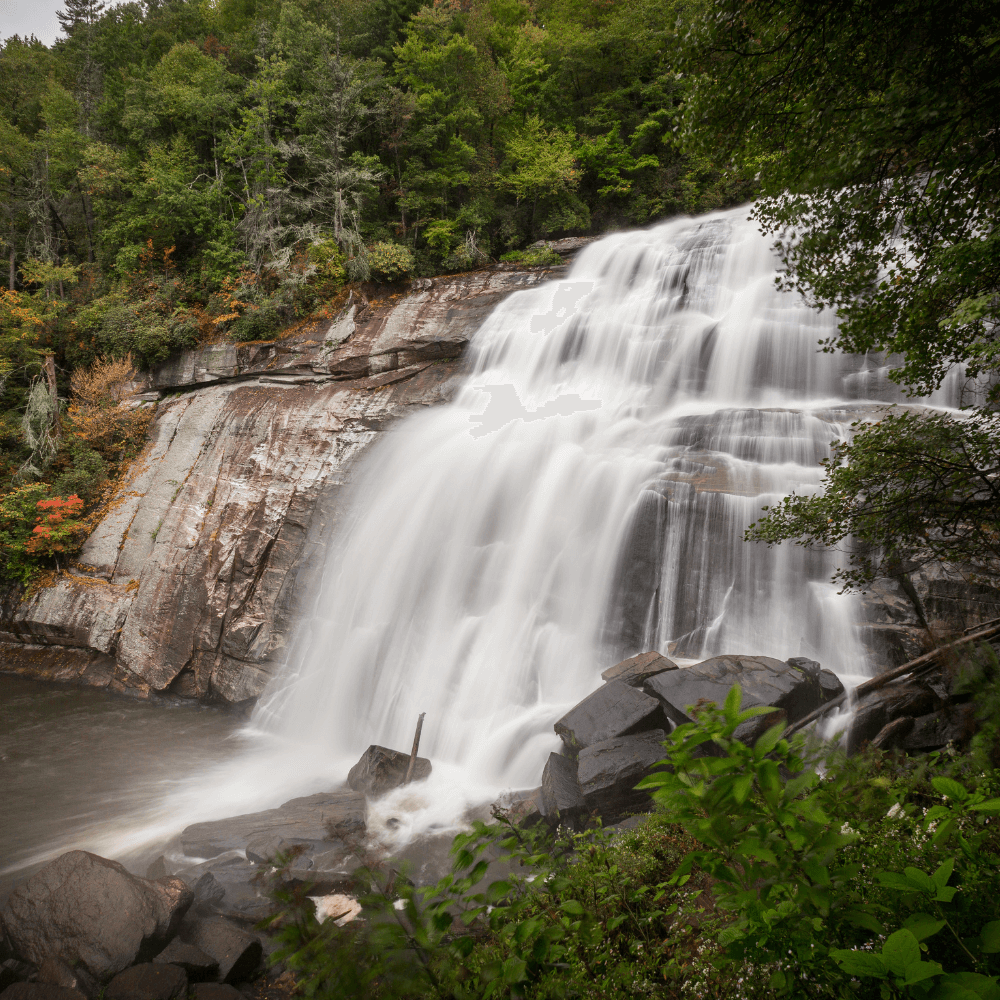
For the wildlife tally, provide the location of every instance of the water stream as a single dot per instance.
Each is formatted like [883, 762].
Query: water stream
[582, 499]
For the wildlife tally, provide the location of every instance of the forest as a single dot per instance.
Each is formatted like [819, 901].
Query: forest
[180, 172]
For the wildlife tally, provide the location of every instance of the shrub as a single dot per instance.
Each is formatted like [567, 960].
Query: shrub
[389, 261]
[541, 256]
[18, 517]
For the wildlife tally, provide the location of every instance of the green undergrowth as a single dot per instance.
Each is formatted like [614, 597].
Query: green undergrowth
[774, 870]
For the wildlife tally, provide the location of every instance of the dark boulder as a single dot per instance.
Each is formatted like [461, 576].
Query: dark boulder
[955, 724]
[762, 679]
[609, 771]
[56, 972]
[381, 769]
[878, 709]
[237, 952]
[148, 981]
[192, 960]
[209, 890]
[830, 686]
[637, 669]
[86, 909]
[215, 991]
[561, 797]
[616, 709]
[158, 869]
[40, 991]
[866, 724]
[262, 848]
[750, 731]
[891, 735]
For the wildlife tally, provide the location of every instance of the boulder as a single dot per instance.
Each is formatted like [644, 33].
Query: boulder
[158, 869]
[237, 952]
[609, 771]
[875, 711]
[561, 794]
[762, 679]
[86, 909]
[830, 686]
[192, 960]
[381, 769]
[208, 889]
[215, 991]
[866, 724]
[56, 972]
[303, 820]
[891, 735]
[617, 709]
[40, 991]
[148, 981]
[637, 669]
[262, 848]
[955, 724]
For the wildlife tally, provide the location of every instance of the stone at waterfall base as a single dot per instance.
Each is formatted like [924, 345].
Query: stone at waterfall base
[237, 952]
[40, 991]
[148, 981]
[616, 709]
[608, 773]
[381, 769]
[87, 909]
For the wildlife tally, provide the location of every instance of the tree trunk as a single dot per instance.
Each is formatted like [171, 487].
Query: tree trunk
[13, 270]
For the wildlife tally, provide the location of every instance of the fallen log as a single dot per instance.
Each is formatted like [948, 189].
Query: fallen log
[875, 683]
[413, 752]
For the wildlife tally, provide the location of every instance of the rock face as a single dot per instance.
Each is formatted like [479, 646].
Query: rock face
[148, 982]
[637, 669]
[84, 908]
[608, 772]
[191, 574]
[381, 769]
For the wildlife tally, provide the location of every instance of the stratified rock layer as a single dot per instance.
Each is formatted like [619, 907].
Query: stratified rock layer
[190, 576]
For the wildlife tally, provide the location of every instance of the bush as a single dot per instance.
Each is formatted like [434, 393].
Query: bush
[541, 256]
[389, 261]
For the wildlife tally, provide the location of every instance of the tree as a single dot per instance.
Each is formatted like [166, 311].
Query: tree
[873, 130]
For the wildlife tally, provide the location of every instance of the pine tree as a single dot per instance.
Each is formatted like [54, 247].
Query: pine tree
[79, 22]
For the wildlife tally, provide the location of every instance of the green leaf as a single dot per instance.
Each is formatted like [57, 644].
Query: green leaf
[951, 788]
[497, 891]
[962, 985]
[990, 805]
[859, 963]
[917, 972]
[920, 880]
[990, 937]
[742, 786]
[573, 907]
[861, 919]
[943, 872]
[893, 880]
[945, 894]
[900, 950]
[731, 708]
[923, 925]
[768, 740]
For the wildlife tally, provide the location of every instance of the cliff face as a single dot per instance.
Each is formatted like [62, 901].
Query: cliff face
[191, 576]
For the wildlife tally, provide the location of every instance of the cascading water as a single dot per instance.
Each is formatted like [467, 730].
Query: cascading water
[583, 498]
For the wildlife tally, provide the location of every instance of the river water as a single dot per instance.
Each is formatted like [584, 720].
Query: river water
[582, 499]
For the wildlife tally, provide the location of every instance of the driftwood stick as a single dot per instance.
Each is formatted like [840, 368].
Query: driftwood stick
[874, 683]
[413, 752]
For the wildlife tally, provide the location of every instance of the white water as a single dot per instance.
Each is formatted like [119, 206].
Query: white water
[481, 574]
[479, 578]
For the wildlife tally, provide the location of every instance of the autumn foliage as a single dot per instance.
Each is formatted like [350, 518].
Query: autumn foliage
[59, 528]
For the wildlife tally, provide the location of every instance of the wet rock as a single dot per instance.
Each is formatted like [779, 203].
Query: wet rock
[208, 889]
[56, 972]
[616, 709]
[562, 798]
[237, 952]
[262, 848]
[524, 807]
[215, 991]
[192, 960]
[148, 981]
[830, 686]
[40, 991]
[638, 669]
[381, 769]
[762, 679]
[635, 607]
[609, 771]
[13, 970]
[881, 707]
[750, 731]
[866, 724]
[158, 869]
[305, 820]
[956, 724]
[892, 735]
[87, 909]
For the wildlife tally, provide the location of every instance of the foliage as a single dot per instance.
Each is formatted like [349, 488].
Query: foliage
[18, 517]
[388, 261]
[59, 528]
[908, 489]
[757, 876]
[533, 257]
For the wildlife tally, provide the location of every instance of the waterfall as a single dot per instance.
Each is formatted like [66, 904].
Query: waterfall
[583, 498]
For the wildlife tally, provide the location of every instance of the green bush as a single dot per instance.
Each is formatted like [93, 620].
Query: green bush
[389, 261]
[541, 256]
[18, 518]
